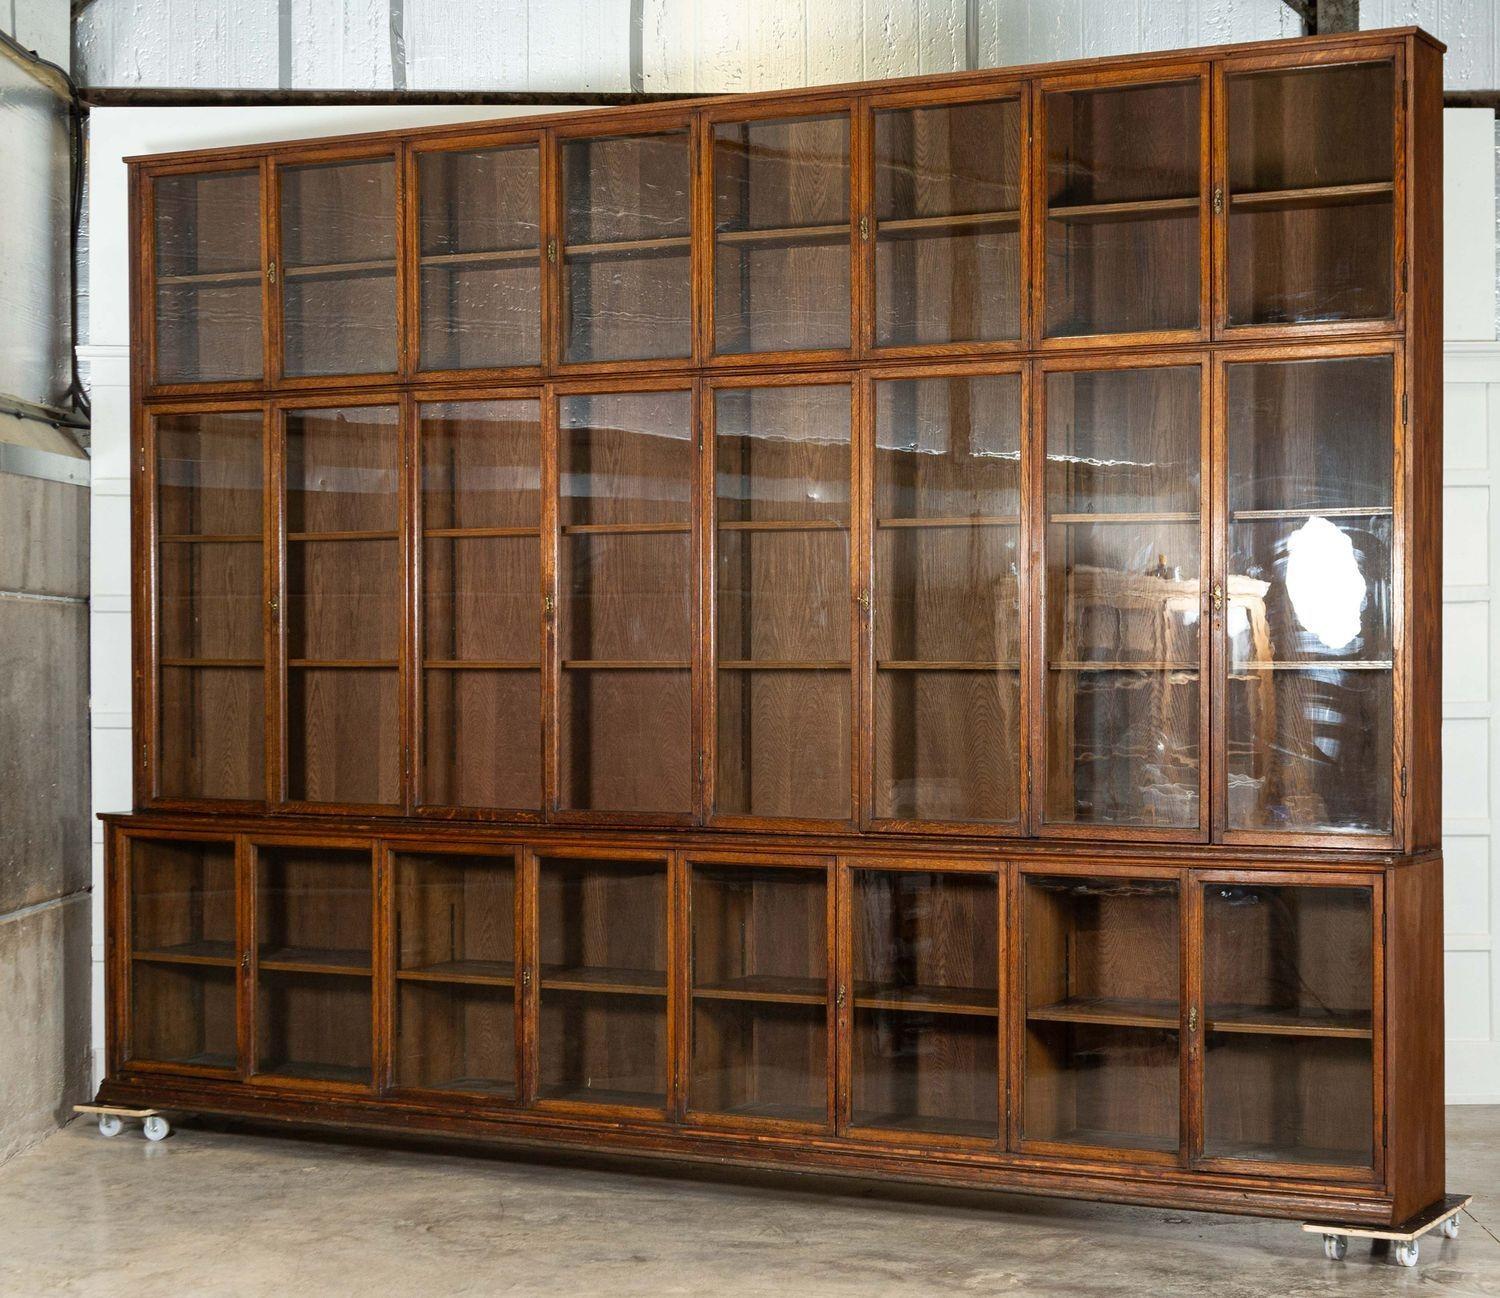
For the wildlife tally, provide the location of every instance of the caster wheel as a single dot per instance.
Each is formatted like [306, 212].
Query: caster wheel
[1450, 1227]
[156, 1128]
[111, 1124]
[1335, 1247]
[1406, 1253]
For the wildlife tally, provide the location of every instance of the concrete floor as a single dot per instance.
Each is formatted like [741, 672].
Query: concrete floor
[217, 1212]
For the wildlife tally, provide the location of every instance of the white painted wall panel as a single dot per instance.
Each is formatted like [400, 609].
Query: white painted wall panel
[1468, 27]
[40, 25]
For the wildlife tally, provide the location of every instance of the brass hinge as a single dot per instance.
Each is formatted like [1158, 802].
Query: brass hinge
[1403, 782]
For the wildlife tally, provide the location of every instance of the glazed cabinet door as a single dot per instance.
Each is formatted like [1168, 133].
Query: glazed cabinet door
[1099, 1058]
[455, 1021]
[601, 949]
[207, 275]
[760, 991]
[481, 640]
[625, 627]
[1291, 1024]
[783, 248]
[338, 266]
[1124, 219]
[478, 215]
[626, 248]
[207, 513]
[313, 967]
[1125, 543]
[925, 1022]
[947, 575]
[344, 605]
[784, 612]
[1309, 623]
[1308, 201]
[183, 955]
[948, 186]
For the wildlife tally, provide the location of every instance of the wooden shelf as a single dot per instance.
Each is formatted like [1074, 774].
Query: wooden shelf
[315, 960]
[788, 525]
[1108, 1011]
[211, 662]
[211, 277]
[922, 1124]
[1313, 196]
[478, 665]
[1145, 209]
[623, 247]
[901, 665]
[623, 665]
[467, 973]
[209, 538]
[493, 257]
[766, 1110]
[333, 269]
[1124, 518]
[382, 535]
[1253, 1020]
[478, 533]
[625, 529]
[344, 664]
[965, 223]
[1254, 515]
[768, 989]
[1243, 1151]
[598, 978]
[784, 234]
[215, 955]
[762, 665]
[957, 521]
[973, 1002]
[1103, 1138]
[344, 1074]
[1342, 665]
[1124, 667]
[602, 1097]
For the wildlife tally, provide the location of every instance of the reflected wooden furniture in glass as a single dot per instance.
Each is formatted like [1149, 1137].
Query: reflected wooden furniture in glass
[1311, 198]
[479, 257]
[1288, 1016]
[1124, 548]
[184, 953]
[926, 1017]
[947, 204]
[602, 981]
[625, 624]
[1311, 607]
[781, 234]
[1100, 961]
[627, 247]
[759, 992]
[210, 638]
[1125, 182]
[343, 609]
[208, 276]
[314, 920]
[784, 629]
[946, 613]
[481, 603]
[455, 946]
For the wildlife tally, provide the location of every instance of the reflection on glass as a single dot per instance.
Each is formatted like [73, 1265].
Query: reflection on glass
[1310, 618]
[946, 610]
[1123, 553]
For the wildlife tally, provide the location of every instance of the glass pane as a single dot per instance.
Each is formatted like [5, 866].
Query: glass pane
[1102, 991]
[481, 603]
[781, 234]
[1124, 185]
[948, 224]
[481, 254]
[208, 277]
[603, 981]
[210, 604]
[946, 608]
[338, 267]
[182, 901]
[455, 973]
[760, 992]
[926, 1002]
[343, 606]
[625, 631]
[1123, 551]
[1311, 210]
[183, 1014]
[784, 613]
[627, 263]
[1311, 600]
[314, 915]
[1288, 995]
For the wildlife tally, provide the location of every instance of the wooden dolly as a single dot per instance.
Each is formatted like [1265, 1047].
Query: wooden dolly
[1442, 1215]
[112, 1120]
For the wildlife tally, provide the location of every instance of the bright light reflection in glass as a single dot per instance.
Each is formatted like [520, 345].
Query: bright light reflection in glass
[1324, 582]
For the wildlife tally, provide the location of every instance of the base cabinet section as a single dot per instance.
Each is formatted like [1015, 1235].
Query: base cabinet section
[1151, 1030]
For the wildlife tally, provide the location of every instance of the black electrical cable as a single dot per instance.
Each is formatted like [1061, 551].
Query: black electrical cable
[77, 394]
